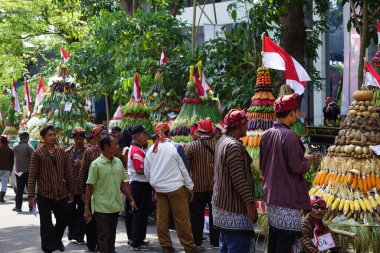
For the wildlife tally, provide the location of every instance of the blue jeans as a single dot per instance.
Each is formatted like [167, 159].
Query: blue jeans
[235, 242]
[4, 175]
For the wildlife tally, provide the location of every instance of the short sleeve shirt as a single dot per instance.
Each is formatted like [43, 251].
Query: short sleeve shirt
[135, 162]
[106, 176]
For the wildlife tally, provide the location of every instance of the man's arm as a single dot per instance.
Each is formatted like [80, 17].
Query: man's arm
[185, 174]
[87, 211]
[138, 162]
[298, 162]
[236, 168]
[68, 174]
[83, 172]
[147, 166]
[33, 172]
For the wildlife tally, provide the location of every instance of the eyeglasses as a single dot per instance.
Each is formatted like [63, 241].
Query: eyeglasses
[319, 207]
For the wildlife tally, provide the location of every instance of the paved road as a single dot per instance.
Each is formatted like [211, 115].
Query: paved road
[19, 232]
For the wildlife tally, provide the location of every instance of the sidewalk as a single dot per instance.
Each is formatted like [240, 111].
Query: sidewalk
[19, 232]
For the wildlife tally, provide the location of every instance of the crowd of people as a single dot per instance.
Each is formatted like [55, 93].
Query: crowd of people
[83, 186]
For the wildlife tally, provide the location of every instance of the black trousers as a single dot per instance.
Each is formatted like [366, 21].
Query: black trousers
[106, 224]
[281, 241]
[128, 219]
[51, 235]
[197, 207]
[22, 181]
[142, 194]
[77, 224]
[91, 234]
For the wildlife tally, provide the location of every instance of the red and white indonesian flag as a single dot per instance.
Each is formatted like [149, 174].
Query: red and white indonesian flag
[65, 55]
[27, 97]
[163, 58]
[118, 115]
[198, 85]
[136, 88]
[16, 102]
[40, 91]
[275, 57]
[378, 32]
[205, 85]
[371, 76]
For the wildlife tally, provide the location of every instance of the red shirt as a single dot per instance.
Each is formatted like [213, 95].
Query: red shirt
[135, 162]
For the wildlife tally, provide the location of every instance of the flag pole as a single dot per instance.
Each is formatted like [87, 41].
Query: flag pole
[262, 48]
[365, 62]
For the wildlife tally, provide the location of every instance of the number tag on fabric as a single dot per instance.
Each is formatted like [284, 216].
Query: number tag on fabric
[325, 242]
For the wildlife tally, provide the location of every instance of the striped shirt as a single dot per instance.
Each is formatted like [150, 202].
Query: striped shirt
[201, 163]
[233, 185]
[52, 173]
[90, 155]
[74, 155]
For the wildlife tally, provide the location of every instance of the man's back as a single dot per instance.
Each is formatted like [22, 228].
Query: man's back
[23, 153]
[165, 169]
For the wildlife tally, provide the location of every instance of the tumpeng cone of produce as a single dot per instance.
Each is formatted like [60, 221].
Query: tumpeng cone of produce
[260, 114]
[136, 111]
[62, 106]
[194, 108]
[349, 179]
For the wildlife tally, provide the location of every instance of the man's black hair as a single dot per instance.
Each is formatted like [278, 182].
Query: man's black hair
[115, 129]
[45, 129]
[106, 140]
[283, 114]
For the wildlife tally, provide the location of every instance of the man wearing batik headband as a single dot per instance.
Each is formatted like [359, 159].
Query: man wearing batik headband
[90, 155]
[200, 155]
[283, 163]
[313, 227]
[166, 172]
[76, 224]
[233, 200]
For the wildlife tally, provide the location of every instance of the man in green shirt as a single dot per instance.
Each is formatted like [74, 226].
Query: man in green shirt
[106, 180]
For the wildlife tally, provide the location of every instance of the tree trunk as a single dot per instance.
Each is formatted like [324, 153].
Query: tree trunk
[128, 6]
[363, 42]
[293, 34]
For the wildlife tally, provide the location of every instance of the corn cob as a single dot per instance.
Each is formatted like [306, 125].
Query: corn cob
[373, 179]
[352, 205]
[354, 182]
[373, 202]
[341, 204]
[365, 186]
[343, 179]
[378, 182]
[362, 205]
[330, 200]
[335, 204]
[346, 207]
[350, 177]
[368, 205]
[369, 183]
[357, 206]
[360, 183]
[313, 191]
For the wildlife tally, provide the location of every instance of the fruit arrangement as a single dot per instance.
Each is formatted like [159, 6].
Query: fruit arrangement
[10, 129]
[62, 106]
[194, 108]
[349, 179]
[260, 114]
[376, 98]
[161, 100]
[136, 112]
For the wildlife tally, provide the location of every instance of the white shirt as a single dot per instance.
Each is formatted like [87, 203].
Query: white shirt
[165, 170]
[136, 159]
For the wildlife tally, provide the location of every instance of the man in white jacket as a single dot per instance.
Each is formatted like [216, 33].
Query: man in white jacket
[165, 171]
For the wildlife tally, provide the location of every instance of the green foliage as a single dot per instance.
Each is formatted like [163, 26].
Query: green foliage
[120, 46]
[28, 30]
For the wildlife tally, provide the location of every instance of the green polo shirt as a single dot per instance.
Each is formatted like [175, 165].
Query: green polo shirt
[106, 177]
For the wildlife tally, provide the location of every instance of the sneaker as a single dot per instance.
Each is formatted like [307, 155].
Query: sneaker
[146, 242]
[199, 249]
[129, 242]
[141, 248]
[61, 247]
[16, 209]
[80, 242]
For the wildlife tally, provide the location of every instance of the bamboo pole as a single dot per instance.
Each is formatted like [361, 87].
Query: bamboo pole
[193, 35]
[343, 233]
